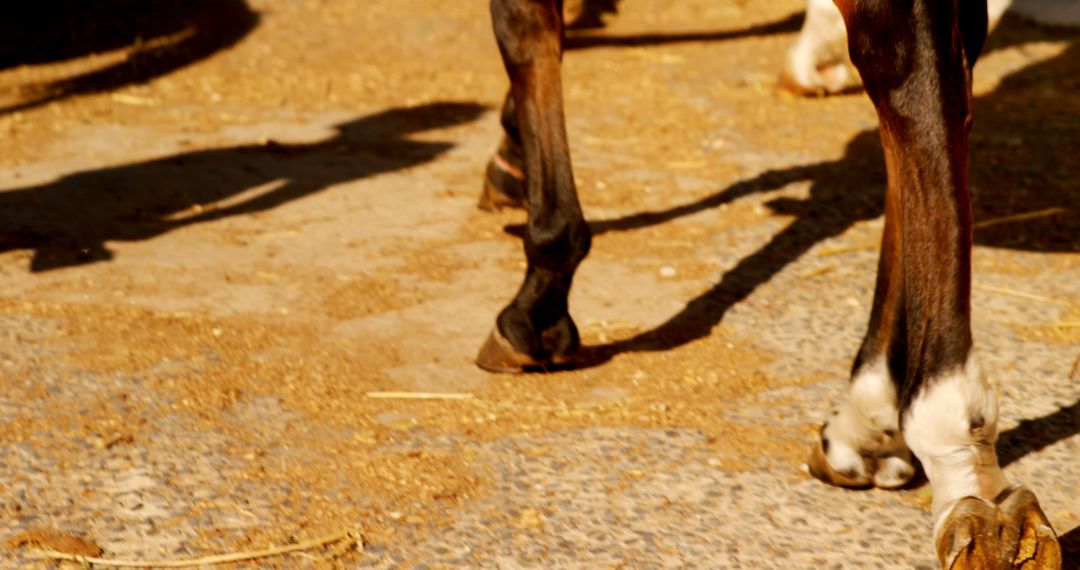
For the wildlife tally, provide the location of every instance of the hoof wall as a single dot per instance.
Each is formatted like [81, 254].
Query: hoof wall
[822, 471]
[1010, 533]
[494, 197]
[498, 355]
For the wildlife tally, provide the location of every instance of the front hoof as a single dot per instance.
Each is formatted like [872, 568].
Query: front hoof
[895, 471]
[852, 478]
[1037, 546]
[831, 79]
[835, 461]
[968, 538]
[499, 356]
[1012, 533]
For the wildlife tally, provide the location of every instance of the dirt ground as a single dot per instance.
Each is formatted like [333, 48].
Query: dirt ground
[212, 254]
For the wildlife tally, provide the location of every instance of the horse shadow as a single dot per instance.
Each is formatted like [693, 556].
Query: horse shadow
[1070, 548]
[159, 37]
[69, 221]
[578, 41]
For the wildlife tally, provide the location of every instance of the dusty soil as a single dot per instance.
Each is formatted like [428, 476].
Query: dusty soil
[205, 271]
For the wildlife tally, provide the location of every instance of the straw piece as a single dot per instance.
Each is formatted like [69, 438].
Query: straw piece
[352, 536]
[1019, 217]
[420, 395]
[828, 251]
[1020, 294]
[135, 100]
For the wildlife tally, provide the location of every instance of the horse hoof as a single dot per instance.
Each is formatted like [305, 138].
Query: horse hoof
[787, 82]
[499, 356]
[1026, 526]
[822, 471]
[502, 188]
[1012, 533]
[832, 79]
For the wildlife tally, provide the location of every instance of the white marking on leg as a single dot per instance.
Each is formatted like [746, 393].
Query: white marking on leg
[817, 60]
[894, 471]
[867, 424]
[995, 10]
[952, 428]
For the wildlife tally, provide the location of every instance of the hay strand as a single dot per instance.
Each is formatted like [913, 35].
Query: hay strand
[419, 395]
[830, 251]
[1019, 217]
[350, 537]
[1019, 294]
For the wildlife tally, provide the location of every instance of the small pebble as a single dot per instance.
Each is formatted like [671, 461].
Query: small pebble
[667, 271]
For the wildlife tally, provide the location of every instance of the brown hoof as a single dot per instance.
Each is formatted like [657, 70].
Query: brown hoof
[787, 82]
[1037, 546]
[492, 200]
[502, 188]
[499, 356]
[969, 537]
[822, 471]
[834, 80]
[1010, 533]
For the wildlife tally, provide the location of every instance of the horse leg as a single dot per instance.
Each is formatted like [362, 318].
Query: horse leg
[861, 445]
[535, 330]
[915, 58]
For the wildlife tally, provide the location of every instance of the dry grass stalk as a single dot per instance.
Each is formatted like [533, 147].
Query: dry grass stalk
[819, 272]
[126, 99]
[350, 537]
[1020, 294]
[1019, 217]
[420, 395]
[826, 252]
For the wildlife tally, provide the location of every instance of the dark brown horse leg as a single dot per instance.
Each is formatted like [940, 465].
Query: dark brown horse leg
[535, 330]
[915, 58]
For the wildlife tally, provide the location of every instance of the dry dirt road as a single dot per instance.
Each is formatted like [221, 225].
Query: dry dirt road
[203, 276]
